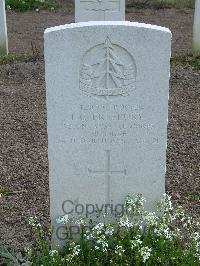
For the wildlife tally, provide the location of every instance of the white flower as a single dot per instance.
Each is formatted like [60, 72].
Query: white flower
[76, 250]
[102, 242]
[196, 236]
[109, 230]
[62, 219]
[124, 222]
[150, 218]
[196, 240]
[136, 242]
[90, 236]
[33, 222]
[177, 232]
[119, 250]
[81, 221]
[145, 253]
[164, 230]
[99, 226]
[28, 250]
[166, 203]
[53, 252]
[188, 222]
[135, 204]
[98, 229]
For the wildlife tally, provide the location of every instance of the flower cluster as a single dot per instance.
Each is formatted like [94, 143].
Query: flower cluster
[62, 219]
[102, 243]
[139, 237]
[109, 230]
[74, 251]
[165, 203]
[164, 231]
[119, 250]
[125, 222]
[196, 243]
[80, 221]
[135, 205]
[136, 242]
[145, 253]
[150, 219]
[53, 252]
[33, 221]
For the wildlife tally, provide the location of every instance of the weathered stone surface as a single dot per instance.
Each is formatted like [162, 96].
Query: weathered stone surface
[3, 30]
[196, 28]
[107, 102]
[100, 10]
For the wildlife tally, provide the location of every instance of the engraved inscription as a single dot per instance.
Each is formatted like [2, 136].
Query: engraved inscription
[108, 70]
[108, 173]
[113, 124]
[100, 5]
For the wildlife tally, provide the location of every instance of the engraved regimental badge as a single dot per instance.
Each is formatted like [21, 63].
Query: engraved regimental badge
[107, 70]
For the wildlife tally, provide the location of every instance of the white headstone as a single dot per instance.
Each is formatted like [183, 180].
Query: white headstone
[3, 30]
[99, 10]
[196, 28]
[107, 101]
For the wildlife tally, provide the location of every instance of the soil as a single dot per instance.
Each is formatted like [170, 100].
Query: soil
[30, 26]
[23, 131]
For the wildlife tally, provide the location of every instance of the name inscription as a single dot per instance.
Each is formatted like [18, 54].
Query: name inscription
[108, 124]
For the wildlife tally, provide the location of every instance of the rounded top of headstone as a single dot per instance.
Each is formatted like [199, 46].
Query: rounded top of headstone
[107, 23]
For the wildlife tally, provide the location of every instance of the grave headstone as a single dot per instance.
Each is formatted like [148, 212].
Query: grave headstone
[196, 28]
[99, 10]
[107, 102]
[3, 30]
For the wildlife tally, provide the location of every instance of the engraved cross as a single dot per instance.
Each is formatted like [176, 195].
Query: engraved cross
[108, 173]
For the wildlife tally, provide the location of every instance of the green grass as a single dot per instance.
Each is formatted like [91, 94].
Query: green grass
[25, 5]
[193, 61]
[7, 58]
[188, 61]
[175, 3]
[7, 192]
[193, 197]
[10, 58]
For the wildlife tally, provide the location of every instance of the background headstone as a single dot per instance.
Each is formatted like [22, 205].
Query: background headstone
[196, 29]
[3, 30]
[107, 102]
[99, 10]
